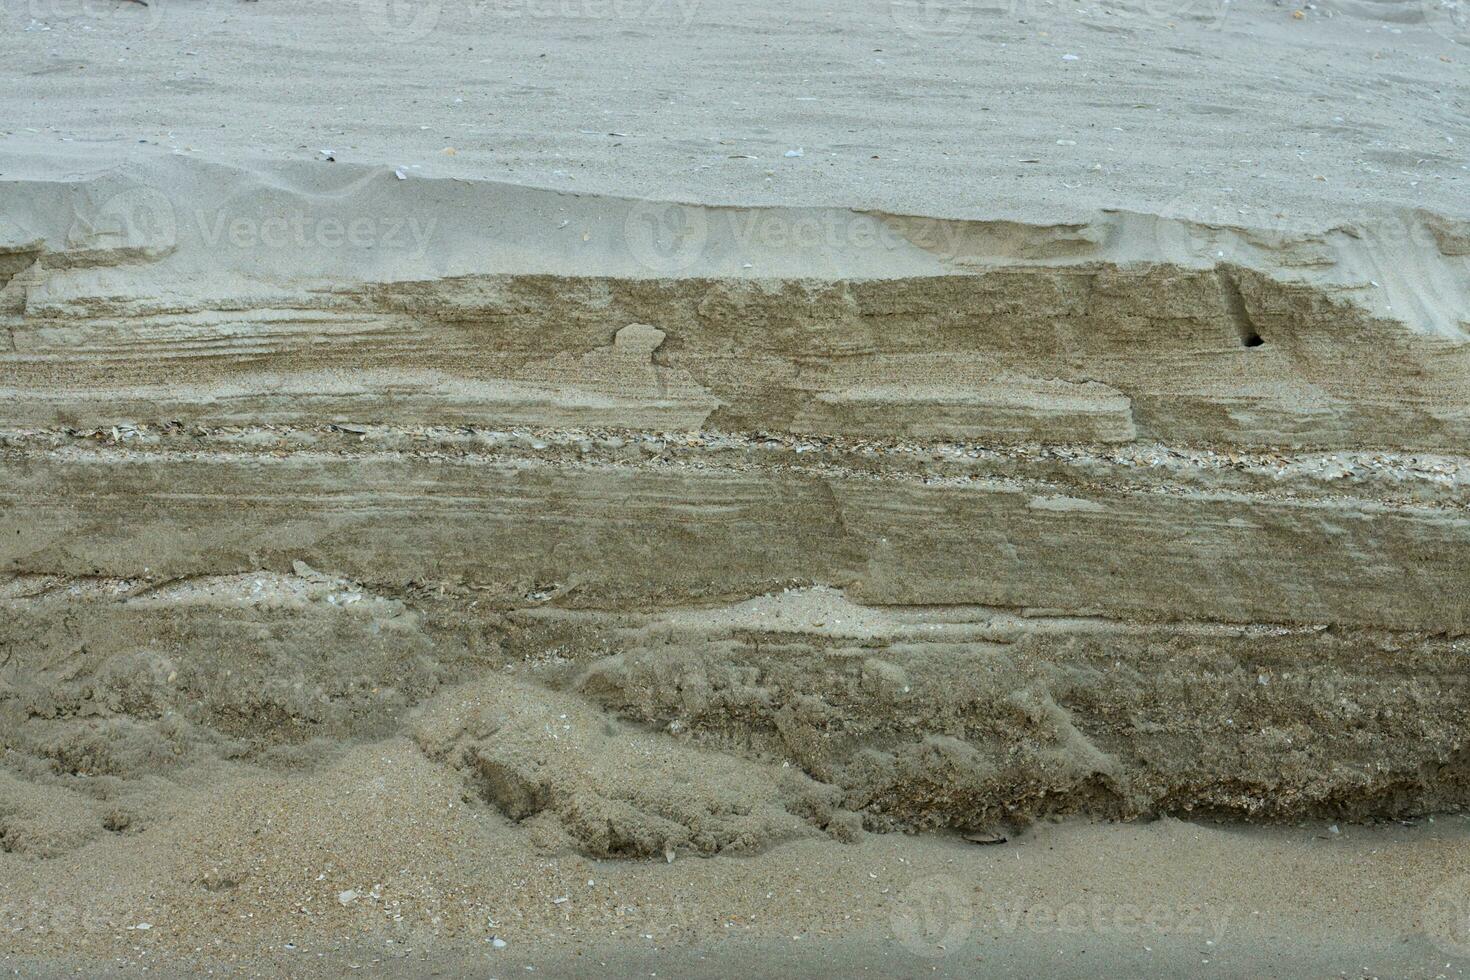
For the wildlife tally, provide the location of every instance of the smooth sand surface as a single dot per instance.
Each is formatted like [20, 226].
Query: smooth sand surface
[963, 110]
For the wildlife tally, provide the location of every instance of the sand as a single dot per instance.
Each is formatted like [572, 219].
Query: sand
[373, 864]
[1236, 103]
[624, 488]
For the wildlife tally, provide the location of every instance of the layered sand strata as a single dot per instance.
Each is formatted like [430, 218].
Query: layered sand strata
[967, 524]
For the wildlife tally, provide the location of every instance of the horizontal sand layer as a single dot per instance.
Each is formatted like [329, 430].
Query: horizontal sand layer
[606, 521]
[789, 716]
[975, 637]
[960, 110]
[683, 535]
[183, 292]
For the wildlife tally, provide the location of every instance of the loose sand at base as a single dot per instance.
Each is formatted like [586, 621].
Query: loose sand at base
[378, 861]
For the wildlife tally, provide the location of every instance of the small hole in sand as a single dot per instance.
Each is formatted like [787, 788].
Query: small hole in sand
[1252, 339]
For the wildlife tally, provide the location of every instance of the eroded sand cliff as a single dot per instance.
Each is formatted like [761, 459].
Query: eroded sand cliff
[649, 528]
[1041, 526]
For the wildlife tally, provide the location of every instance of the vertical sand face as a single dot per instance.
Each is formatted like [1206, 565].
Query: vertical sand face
[949, 524]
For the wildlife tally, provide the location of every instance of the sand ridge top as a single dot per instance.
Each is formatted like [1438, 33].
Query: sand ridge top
[1023, 112]
[159, 226]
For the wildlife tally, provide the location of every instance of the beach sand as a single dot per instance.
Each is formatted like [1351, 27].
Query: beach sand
[642, 488]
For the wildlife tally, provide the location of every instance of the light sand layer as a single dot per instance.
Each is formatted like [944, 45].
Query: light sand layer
[954, 110]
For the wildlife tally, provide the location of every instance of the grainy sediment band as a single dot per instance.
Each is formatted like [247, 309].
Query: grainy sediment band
[1049, 519]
